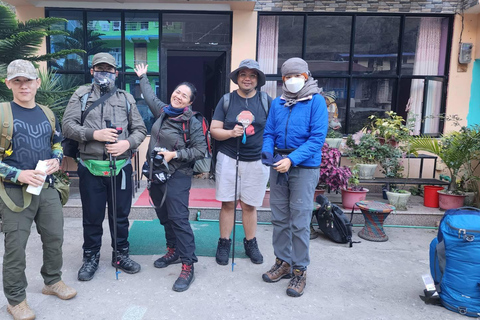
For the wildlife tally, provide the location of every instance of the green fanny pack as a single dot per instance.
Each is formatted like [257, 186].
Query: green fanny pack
[101, 168]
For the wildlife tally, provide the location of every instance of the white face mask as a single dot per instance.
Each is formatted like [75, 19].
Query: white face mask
[294, 84]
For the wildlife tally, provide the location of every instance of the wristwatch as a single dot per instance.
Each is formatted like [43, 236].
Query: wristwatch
[176, 155]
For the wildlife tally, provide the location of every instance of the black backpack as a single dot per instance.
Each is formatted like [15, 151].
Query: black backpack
[333, 222]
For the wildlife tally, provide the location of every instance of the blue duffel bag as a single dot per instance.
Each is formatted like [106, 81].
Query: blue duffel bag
[455, 261]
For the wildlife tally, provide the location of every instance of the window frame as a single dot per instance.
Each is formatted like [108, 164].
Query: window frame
[350, 76]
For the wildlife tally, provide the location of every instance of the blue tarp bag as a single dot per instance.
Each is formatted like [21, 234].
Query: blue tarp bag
[455, 261]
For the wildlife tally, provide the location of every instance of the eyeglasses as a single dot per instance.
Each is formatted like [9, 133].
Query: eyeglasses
[251, 76]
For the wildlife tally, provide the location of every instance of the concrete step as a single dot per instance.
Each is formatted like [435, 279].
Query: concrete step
[416, 215]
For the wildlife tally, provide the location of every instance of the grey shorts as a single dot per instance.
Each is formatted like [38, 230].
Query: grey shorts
[252, 180]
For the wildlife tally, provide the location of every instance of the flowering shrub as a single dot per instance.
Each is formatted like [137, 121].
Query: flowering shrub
[392, 127]
[365, 148]
[331, 175]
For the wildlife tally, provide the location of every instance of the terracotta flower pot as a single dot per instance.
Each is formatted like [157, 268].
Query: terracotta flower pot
[350, 197]
[450, 201]
[317, 192]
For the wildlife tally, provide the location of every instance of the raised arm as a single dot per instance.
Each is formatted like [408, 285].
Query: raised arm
[151, 98]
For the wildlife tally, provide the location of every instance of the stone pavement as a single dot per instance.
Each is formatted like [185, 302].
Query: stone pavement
[369, 281]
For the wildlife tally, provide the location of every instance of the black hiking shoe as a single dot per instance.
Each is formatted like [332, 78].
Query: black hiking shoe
[124, 262]
[171, 257]
[185, 279]
[251, 250]
[90, 265]
[223, 251]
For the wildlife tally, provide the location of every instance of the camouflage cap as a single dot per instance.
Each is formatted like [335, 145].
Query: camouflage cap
[21, 68]
[104, 57]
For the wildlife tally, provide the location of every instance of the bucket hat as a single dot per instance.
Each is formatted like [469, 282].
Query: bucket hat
[252, 65]
[104, 57]
[21, 68]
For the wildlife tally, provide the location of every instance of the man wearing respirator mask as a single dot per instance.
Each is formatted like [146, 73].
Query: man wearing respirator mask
[106, 123]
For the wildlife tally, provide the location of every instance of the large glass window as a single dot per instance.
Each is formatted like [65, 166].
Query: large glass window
[141, 40]
[73, 40]
[104, 30]
[376, 44]
[328, 43]
[210, 29]
[370, 63]
[424, 46]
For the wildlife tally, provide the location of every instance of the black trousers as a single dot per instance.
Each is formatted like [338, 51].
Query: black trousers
[95, 193]
[173, 214]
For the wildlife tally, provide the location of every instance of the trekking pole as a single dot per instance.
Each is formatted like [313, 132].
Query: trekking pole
[113, 186]
[235, 203]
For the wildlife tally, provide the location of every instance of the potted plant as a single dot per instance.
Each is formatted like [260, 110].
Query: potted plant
[392, 129]
[353, 192]
[456, 150]
[332, 177]
[365, 151]
[334, 138]
[468, 186]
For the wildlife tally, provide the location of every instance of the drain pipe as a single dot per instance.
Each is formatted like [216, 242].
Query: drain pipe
[355, 225]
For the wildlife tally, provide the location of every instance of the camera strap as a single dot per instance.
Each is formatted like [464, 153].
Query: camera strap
[96, 103]
[150, 179]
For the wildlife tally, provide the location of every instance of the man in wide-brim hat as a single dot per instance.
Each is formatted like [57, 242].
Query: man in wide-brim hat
[241, 114]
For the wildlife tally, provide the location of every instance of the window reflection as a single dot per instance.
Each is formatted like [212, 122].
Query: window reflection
[104, 30]
[376, 45]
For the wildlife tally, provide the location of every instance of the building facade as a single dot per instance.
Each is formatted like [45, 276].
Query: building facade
[373, 55]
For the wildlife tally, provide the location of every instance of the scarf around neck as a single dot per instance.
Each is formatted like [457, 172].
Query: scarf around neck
[173, 112]
[309, 89]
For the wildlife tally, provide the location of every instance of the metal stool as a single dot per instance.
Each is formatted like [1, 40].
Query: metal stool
[375, 213]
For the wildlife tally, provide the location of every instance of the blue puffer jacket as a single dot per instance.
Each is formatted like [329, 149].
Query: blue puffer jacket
[302, 127]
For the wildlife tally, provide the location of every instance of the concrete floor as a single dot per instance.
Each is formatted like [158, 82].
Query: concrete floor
[369, 281]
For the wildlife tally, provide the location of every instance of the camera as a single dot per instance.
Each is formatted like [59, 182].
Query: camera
[157, 170]
[158, 159]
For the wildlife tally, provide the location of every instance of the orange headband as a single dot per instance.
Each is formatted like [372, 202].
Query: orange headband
[303, 74]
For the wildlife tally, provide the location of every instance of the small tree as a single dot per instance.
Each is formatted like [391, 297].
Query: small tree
[21, 40]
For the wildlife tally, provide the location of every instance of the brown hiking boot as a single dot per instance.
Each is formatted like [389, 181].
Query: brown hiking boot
[21, 311]
[280, 270]
[297, 283]
[61, 290]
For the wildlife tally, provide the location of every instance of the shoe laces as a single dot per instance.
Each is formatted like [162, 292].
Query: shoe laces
[170, 253]
[224, 247]
[296, 280]
[186, 271]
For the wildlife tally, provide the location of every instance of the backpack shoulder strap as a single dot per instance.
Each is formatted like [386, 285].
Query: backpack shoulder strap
[264, 98]
[50, 116]
[84, 100]
[226, 103]
[6, 121]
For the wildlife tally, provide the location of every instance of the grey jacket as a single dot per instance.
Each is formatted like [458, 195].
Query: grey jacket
[114, 109]
[168, 133]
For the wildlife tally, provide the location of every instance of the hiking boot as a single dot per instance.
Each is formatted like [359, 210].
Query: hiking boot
[251, 250]
[90, 265]
[185, 279]
[124, 262]
[280, 270]
[313, 233]
[61, 290]
[223, 251]
[171, 257]
[21, 311]
[297, 283]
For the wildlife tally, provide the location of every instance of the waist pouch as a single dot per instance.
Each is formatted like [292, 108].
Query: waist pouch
[101, 168]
